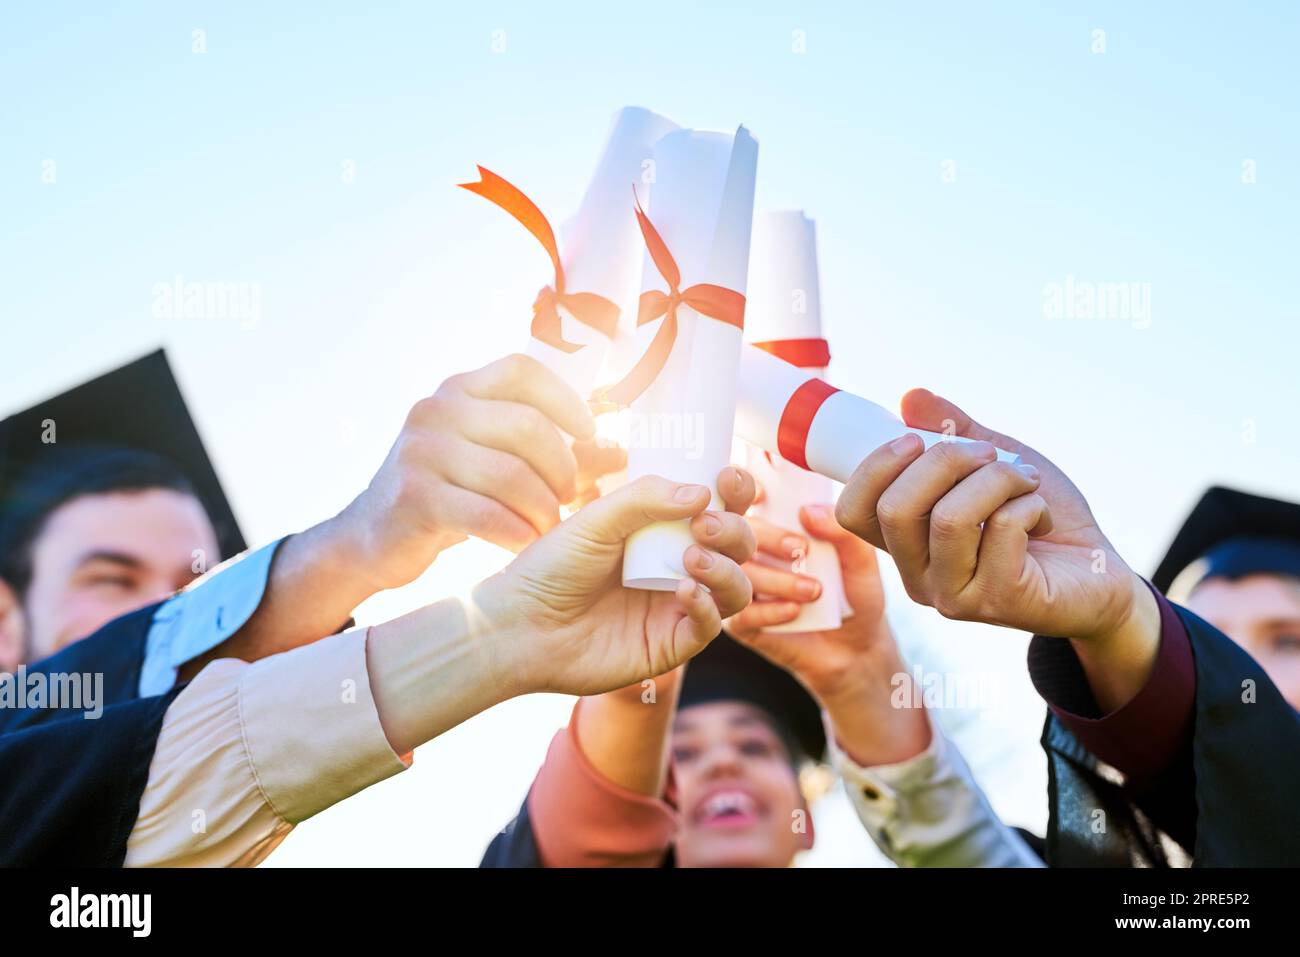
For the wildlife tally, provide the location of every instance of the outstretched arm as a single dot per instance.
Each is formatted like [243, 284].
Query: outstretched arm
[259, 747]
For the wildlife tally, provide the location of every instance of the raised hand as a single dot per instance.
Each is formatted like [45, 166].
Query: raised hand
[484, 456]
[586, 633]
[1013, 545]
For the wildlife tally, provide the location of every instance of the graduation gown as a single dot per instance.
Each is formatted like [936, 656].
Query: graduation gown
[1228, 800]
[70, 787]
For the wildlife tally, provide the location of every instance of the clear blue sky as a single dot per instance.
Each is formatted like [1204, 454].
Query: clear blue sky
[1122, 166]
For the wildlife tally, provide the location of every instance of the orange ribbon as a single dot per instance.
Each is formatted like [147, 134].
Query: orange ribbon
[716, 302]
[804, 353]
[587, 307]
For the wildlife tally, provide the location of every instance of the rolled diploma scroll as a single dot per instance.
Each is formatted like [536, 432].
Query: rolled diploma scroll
[784, 303]
[786, 488]
[702, 203]
[832, 430]
[602, 250]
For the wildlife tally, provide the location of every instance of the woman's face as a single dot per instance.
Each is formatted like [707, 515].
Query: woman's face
[1262, 614]
[736, 789]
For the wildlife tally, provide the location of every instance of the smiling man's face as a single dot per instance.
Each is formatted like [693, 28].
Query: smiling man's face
[736, 789]
[100, 556]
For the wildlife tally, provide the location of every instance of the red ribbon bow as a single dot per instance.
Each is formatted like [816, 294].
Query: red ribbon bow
[587, 307]
[716, 302]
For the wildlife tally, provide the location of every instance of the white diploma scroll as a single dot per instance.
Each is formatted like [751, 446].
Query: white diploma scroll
[783, 304]
[702, 203]
[602, 249]
[844, 430]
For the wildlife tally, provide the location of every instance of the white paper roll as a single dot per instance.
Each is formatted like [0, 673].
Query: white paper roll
[784, 297]
[844, 431]
[602, 249]
[701, 202]
[784, 302]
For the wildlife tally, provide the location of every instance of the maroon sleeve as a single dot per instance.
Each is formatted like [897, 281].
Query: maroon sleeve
[1144, 737]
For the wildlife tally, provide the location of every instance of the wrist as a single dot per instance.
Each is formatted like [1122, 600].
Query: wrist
[382, 558]
[509, 657]
[873, 724]
[1118, 660]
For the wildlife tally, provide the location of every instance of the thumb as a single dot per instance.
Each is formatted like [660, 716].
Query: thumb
[856, 556]
[612, 518]
[922, 409]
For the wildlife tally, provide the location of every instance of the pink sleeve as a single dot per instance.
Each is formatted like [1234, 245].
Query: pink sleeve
[582, 819]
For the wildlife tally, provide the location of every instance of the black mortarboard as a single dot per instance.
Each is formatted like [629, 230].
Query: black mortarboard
[131, 418]
[1230, 534]
[728, 671]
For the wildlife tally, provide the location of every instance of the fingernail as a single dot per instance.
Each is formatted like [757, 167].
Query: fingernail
[985, 449]
[688, 493]
[712, 524]
[808, 589]
[1027, 470]
[792, 544]
[703, 559]
[822, 512]
[737, 481]
[904, 443]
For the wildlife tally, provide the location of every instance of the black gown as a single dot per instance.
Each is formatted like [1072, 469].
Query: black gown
[70, 787]
[1229, 800]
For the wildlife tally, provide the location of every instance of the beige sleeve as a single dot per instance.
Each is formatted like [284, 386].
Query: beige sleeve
[247, 751]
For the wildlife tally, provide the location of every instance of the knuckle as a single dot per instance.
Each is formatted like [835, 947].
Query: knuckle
[917, 593]
[425, 410]
[950, 606]
[531, 419]
[1003, 520]
[890, 513]
[845, 516]
[514, 367]
[945, 522]
[452, 385]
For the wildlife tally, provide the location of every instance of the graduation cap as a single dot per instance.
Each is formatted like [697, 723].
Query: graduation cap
[132, 420]
[1231, 534]
[728, 671]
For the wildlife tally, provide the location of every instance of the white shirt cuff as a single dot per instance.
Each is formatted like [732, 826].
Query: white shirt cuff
[204, 615]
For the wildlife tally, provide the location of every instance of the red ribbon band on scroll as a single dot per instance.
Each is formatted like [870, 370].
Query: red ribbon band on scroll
[587, 307]
[804, 353]
[797, 419]
[716, 302]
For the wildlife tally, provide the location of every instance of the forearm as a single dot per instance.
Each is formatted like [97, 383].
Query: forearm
[314, 583]
[626, 735]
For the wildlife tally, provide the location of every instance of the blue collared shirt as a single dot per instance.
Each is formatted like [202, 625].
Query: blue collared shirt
[198, 619]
